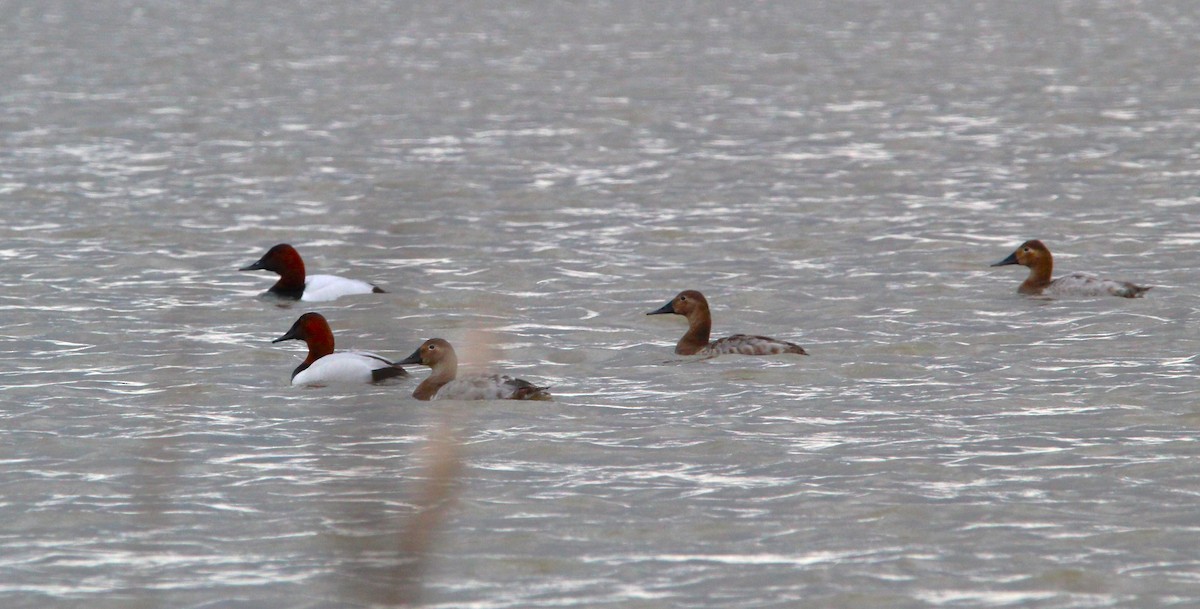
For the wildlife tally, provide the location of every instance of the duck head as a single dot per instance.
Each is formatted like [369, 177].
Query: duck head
[280, 259]
[314, 331]
[431, 353]
[284, 260]
[311, 328]
[1032, 253]
[686, 303]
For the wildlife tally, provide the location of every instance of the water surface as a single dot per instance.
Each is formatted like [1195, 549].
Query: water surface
[528, 180]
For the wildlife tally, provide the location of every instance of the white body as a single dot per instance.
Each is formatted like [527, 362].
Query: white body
[343, 367]
[318, 288]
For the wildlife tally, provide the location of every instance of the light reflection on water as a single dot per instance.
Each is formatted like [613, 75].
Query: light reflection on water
[827, 178]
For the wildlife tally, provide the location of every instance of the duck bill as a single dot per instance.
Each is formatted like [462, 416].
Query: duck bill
[667, 308]
[257, 266]
[292, 334]
[1012, 259]
[411, 360]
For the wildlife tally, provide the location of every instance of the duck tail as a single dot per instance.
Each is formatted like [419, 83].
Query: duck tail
[382, 374]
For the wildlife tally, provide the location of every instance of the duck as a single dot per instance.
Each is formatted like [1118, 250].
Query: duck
[1035, 255]
[694, 306]
[294, 285]
[323, 366]
[443, 382]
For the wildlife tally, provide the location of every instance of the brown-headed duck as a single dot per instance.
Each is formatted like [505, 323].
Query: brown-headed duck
[1035, 255]
[691, 304]
[323, 366]
[293, 284]
[443, 382]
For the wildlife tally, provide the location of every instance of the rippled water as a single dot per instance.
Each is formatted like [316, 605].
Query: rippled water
[534, 178]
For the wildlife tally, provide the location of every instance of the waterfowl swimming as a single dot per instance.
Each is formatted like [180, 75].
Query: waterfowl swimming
[691, 304]
[444, 384]
[323, 366]
[293, 284]
[1035, 255]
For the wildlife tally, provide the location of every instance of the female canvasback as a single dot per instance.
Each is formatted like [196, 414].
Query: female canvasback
[442, 382]
[691, 304]
[285, 260]
[1035, 255]
[323, 366]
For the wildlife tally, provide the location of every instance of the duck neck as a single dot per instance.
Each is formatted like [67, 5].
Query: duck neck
[699, 330]
[279, 289]
[318, 346]
[443, 372]
[1039, 275]
[291, 276]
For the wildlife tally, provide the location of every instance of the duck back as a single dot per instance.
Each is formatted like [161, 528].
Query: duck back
[318, 288]
[347, 367]
[491, 387]
[1083, 284]
[746, 344]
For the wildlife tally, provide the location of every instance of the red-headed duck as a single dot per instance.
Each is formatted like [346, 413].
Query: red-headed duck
[293, 284]
[323, 366]
[1035, 255]
[691, 304]
[444, 384]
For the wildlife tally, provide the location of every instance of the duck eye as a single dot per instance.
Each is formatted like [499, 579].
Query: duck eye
[1026, 250]
[432, 347]
[683, 299]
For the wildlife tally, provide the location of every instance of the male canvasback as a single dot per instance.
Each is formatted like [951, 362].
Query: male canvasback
[1035, 255]
[442, 382]
[691, 304]
[323, 366]
[293, 284]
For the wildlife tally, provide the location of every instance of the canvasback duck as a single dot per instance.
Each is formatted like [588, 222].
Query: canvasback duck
[293, 284]
[323, 366]
[1035, 255]
[444, 384]
[691, 304]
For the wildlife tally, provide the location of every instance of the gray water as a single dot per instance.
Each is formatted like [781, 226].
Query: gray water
[527, 180]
